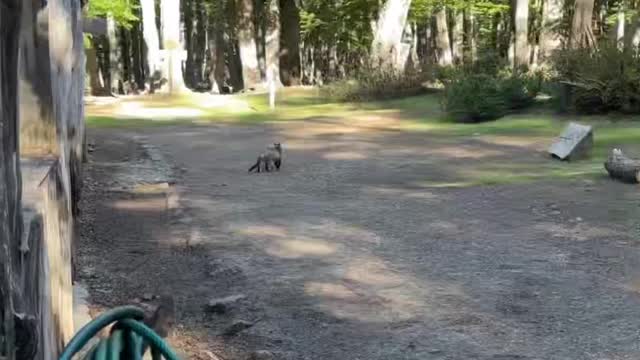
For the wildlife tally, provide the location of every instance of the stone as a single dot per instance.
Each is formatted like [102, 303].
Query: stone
[147, 296]
[575, 143]
[222, 305]
[261, 355]
[237, 327]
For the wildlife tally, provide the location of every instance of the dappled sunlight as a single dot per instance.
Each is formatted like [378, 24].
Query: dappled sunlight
[465, 152]
[139, 111]
[409, 193]
[578, 232]
[345, 155]
[300, 247]
[156, 204]
[535, 143]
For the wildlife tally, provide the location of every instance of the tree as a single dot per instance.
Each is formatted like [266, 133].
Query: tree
[521, 33]
[173, 50]
[272, 40]
[457, 35]
[247, 44]
[290, 42]
[116, 73]
[443, 45]
[151, 39]
[550, 37]
[581, 27]
[387, 40]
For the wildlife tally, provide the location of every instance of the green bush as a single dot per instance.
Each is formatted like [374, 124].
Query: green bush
[598, 81]
[474, 98]
[376, 84]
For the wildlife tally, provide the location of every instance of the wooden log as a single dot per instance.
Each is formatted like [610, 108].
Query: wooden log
[621, 167]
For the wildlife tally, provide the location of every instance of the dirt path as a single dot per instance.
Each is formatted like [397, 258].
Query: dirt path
[347, 254]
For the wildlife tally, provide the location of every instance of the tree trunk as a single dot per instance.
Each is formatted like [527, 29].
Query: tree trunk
[521, 48]
[172, 47]
[247, 44]
[189, 39]
[273, 42]
[457, 37]
[387, 39]
[443, 46]
[200, 43]
[581, 27]
[92, 70]
[138, 57]
[290, 43]
[151, 39]
[125, 58]
[621, 167]
[471, 33]
[10, 179]
[115, 66]
[550, 38]
[216, 38]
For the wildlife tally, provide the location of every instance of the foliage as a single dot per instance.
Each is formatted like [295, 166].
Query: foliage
[602, 80]
[474, 98]
[121, 10]
[376, 84]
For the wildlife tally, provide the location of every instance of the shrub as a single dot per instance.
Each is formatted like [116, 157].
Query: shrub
[376, 84]
[598, 81]
[474, 98]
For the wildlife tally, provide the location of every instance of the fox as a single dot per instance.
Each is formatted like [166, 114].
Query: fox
[266, 160]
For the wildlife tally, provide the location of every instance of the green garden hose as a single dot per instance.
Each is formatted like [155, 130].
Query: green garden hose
[126, 340]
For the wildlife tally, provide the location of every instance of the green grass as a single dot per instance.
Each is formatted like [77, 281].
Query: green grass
[423, 114]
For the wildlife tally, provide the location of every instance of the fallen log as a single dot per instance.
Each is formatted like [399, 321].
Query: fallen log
[623, 168]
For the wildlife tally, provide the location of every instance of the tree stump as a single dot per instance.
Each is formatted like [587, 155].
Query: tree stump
[621, 167]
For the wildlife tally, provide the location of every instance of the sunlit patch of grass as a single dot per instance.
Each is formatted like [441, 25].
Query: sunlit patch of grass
[114, 122]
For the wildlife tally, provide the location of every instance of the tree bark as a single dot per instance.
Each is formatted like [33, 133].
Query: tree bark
[521, 49]
[172, 47]
[387, 39]
[151, 39]
[115, 65]
[247, 44]
[137, 57]
[581, 27]
[457, 37]
[443, 46]
[200, 43]
[216, 47]
[290, 43]
[273, 42]
[94, 73]
[550, 38]
[189, 39]
[10, 179]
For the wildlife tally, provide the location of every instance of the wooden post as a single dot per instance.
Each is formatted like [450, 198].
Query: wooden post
[10, 191]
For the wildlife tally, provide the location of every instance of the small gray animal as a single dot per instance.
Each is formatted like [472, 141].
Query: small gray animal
[267, 160]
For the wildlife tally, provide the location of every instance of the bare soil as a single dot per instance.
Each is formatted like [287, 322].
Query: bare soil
[347, 253]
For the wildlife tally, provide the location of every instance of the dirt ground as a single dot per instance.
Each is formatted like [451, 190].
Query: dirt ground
[358, 249]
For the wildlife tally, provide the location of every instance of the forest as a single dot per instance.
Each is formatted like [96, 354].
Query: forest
[491, 57]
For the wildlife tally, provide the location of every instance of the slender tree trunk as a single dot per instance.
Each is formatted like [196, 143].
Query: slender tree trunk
[387, 39]
[10, 178]
[247, 44]
[216, 30]
[151, 39]
[189, 39]
[425, 43]
[550, 38]
[93, 71]
[621, 21]
[125, 58]
[471, 33]
[200, 43]
[273, 42]
[115, 66]
[521, 49]
[290, 43]
[137, 57]
[457, 38]
[581, 27]
[442, 38]
[172, 47]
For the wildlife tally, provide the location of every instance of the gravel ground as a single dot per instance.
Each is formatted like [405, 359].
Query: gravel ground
[347, 254]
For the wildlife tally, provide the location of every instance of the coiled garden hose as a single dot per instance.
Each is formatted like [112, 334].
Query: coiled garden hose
[126, 341]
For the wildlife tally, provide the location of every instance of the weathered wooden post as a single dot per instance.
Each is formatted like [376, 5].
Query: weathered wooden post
[10, 192]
